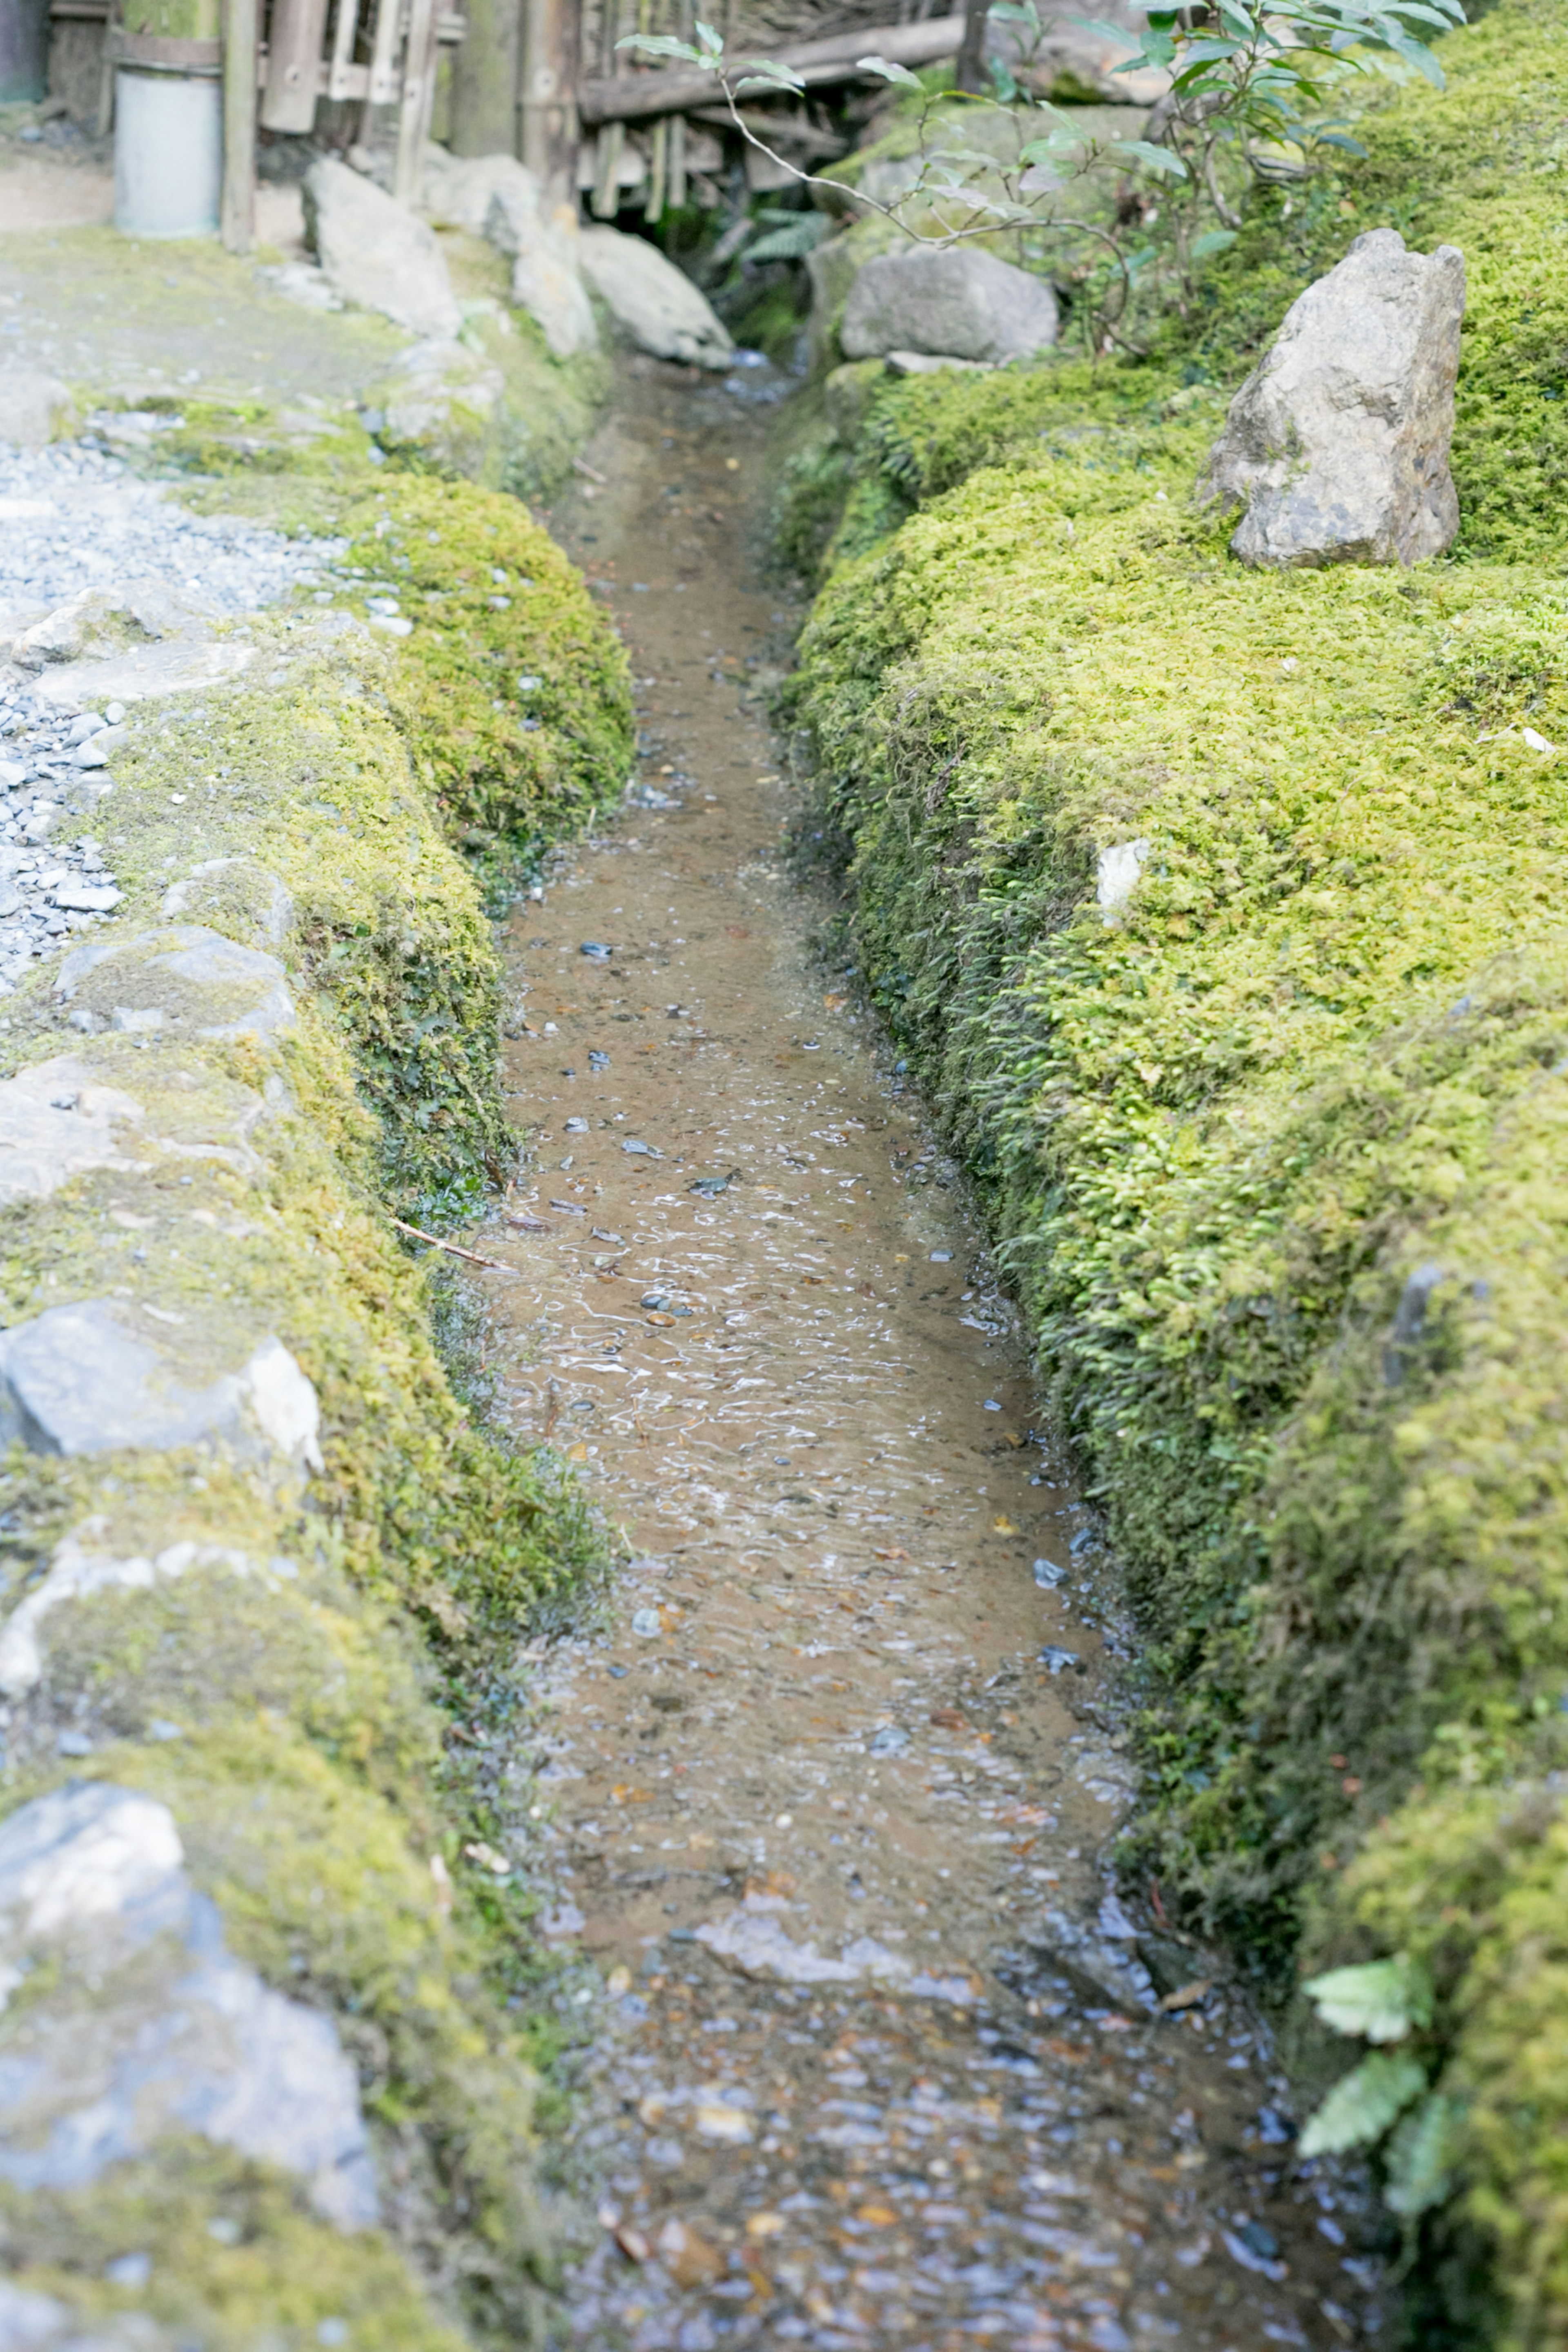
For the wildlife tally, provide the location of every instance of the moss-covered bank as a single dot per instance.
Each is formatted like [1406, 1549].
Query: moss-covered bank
[1273, 1155]
[273, 1631]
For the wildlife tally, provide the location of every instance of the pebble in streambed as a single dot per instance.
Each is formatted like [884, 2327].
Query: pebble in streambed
[883, 2059]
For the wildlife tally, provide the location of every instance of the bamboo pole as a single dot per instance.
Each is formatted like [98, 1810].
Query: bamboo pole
[642, 97]
[237, 216]
[552, 66]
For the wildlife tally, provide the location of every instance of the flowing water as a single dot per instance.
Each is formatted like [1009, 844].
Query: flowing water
[883, 2060]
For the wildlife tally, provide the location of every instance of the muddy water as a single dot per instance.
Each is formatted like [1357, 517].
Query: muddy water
[882, 2062]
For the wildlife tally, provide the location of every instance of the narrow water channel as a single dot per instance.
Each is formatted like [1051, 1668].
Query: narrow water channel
[827, 1801]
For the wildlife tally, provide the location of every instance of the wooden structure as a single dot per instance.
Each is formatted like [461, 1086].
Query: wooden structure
[372, 52]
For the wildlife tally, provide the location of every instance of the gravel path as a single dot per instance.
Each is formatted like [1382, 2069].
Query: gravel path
[85, 545]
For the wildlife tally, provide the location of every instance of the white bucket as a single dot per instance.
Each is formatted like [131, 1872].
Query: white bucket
[168, 152]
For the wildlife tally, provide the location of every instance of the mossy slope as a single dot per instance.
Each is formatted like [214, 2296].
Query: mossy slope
[1272, 1155]
[283, 1691]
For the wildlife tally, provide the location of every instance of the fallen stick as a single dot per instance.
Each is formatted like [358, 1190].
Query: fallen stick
[592, 472]
[638, 96]
[419, 1235]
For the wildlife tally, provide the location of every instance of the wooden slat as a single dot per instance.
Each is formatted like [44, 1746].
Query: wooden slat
[237, 216]
[293, 53]
[384, 82]
[641, 96]
[342, 64]
[418, 97]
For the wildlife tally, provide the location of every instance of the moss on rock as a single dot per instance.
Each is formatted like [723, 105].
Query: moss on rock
[276, 1665]
[1269, 1150]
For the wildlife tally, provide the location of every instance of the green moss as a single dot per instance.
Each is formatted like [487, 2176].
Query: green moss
[273, 2266]
[1321, 1049]
[525, 764]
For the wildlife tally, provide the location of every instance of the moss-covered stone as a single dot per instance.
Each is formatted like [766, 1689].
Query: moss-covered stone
[277, 1668]
[1270, 1152]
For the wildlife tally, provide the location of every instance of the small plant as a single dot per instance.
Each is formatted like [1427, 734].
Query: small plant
[1249, 79]
[1254, 78]
[1386, 2102]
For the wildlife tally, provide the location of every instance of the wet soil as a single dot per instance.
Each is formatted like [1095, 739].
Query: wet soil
[883, 2060]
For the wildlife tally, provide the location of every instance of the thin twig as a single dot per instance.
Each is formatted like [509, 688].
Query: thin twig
[592, 472]
[419, 1235]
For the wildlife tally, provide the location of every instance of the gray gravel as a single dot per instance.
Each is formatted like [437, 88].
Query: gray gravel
[71, 518]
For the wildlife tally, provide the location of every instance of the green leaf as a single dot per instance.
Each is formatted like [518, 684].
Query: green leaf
[1158, 158]
[1213, 241]
[1362, 2105]
[1381, 2001]
[888, 71]
[762, 73]
[1423, 2156]
[798, 235]
[1006, 12]
[712, 43]
[1117, 32]
[659, 45]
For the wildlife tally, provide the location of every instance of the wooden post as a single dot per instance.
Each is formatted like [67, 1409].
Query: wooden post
[418, 98]
[237, 219]
[293, 64]
[487, 74]
[970, 72]
[553, 41]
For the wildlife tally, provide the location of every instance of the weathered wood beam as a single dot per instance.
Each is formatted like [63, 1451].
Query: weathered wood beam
[237, 214]
[553, 41]
[642, 95]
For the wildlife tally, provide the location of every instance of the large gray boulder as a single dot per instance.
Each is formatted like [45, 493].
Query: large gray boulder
[547, 271]
[1336, 446]
[85, 1378]
[956, 303]
[183, 976]
[143, 2025]
[377, 253]
[660, 309]
[457, 191]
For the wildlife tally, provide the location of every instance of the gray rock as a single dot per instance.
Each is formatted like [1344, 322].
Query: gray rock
[238, 892]
[145, 674]
[1337, 444]
[444, 401]
[304, 283]
[931, 363]
[35, 408]
[377, 253]
[127, 2045]
[192, 978]
[660, 309]
[87, 897]
[458, 191]
[547, 275]
[957, 304]
[100, 1375]
[57, 1121]
[76, 1573]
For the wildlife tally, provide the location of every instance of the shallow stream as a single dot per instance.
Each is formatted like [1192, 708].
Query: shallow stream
[883, 2063]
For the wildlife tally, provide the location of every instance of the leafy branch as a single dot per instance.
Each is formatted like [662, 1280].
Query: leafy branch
[1247, 78]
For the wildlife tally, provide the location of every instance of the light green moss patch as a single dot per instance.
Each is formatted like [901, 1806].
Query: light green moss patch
[272, 2273]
